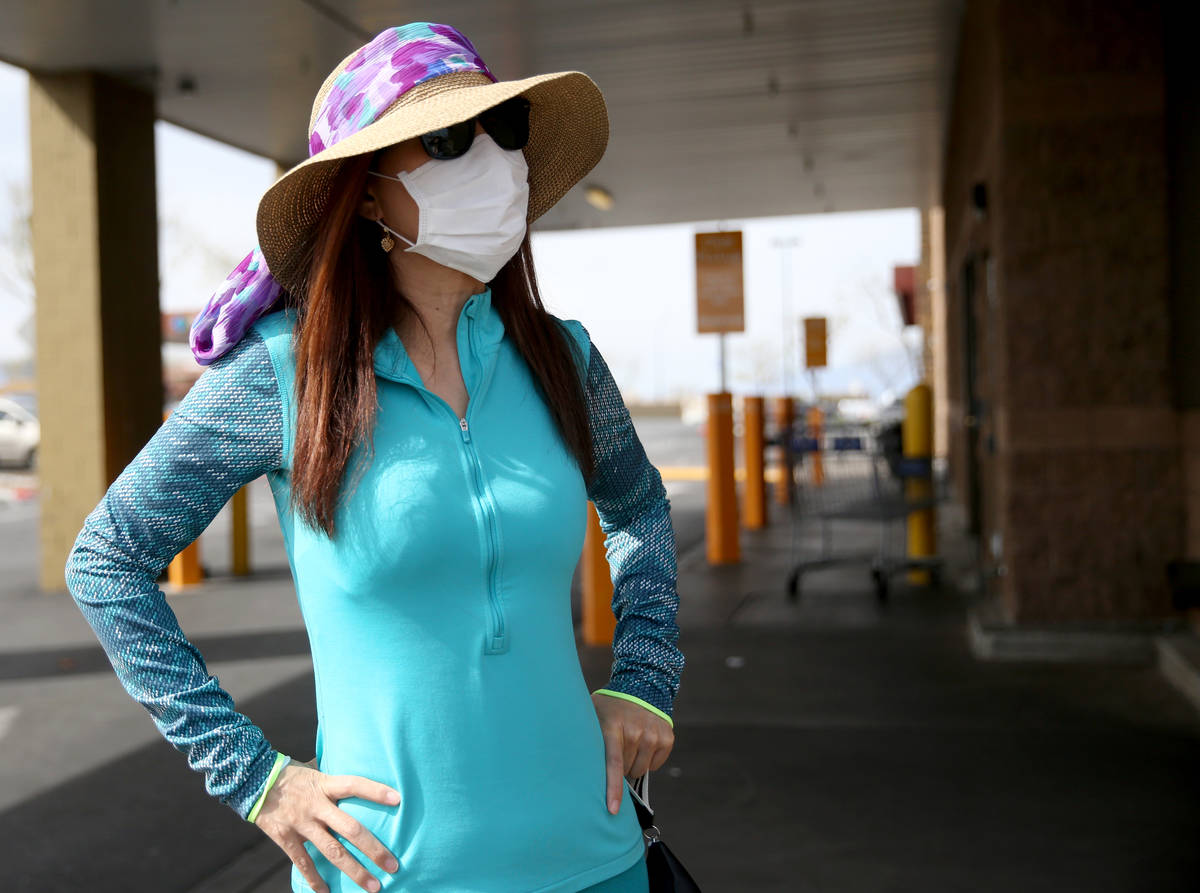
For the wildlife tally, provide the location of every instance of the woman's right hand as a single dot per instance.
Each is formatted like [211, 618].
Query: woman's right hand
[302, 805]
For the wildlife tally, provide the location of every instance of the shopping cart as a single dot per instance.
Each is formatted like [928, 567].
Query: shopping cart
[853, 475]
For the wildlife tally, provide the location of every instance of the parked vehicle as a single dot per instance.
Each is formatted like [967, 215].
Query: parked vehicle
[20, 434]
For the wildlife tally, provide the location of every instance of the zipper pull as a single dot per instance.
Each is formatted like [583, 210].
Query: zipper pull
[466, 433]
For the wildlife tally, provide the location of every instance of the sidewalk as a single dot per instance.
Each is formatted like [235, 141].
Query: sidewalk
[832, 745]
[839, 745]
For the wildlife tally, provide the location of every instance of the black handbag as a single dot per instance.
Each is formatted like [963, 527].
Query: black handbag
[667, 874]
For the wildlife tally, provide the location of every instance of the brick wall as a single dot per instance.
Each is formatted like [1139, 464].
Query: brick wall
[1059, 109]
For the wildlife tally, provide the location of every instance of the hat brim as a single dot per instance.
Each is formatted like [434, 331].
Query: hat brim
[568, 133]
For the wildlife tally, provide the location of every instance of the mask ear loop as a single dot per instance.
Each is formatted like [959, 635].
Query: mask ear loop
[386, 242]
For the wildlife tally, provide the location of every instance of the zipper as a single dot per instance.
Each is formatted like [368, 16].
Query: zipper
[496, 639]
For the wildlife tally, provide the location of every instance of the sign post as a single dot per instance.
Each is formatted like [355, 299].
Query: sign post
[816, 344]
[720, 308]
[720, 300]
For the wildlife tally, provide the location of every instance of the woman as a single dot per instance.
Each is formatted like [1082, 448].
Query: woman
[431, 435]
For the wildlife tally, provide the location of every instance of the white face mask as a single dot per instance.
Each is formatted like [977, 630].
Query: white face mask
[472, 209]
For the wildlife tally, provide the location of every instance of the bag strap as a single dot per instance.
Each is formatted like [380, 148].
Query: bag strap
[640, 789]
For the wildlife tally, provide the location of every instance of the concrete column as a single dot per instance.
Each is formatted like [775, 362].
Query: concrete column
[934, 223]
[1092, 510]
[1057, 201]
[95, 246]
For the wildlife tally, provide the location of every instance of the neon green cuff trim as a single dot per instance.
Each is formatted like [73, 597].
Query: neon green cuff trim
[621, 694]
[281, 760]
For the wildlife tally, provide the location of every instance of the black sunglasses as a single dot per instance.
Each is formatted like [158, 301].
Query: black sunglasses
[506, 123]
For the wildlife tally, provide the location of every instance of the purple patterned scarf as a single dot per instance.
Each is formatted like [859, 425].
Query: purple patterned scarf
[393, 62]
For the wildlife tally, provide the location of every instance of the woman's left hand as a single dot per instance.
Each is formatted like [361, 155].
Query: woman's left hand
[636, 741]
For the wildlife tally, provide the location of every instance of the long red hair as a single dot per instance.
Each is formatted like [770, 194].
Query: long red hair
[346, 306]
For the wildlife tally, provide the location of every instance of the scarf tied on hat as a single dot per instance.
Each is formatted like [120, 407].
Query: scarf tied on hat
[396, 60]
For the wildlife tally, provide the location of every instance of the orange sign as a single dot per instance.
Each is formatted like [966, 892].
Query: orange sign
[719, 298]
[815, 341]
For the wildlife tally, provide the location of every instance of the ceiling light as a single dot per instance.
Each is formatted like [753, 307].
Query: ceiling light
[599, 197]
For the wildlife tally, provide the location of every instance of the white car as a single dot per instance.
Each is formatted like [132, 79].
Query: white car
[20, 434]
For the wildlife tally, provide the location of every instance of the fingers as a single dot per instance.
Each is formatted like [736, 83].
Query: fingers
[293, 847]
[652, 751]
[338, 787]
[635, 742]
[614, 760]
[341, 786]
[302, 806]
[333, 850]
[352, 830]
[646, 746]
[664, 743]
[660, 757]
[632, 736]
[640, 764]
[647, 743]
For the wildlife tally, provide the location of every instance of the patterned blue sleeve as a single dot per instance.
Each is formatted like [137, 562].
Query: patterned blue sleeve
[635, 515]
[226, 432]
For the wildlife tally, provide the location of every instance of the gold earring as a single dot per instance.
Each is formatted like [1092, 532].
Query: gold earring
[387, 243]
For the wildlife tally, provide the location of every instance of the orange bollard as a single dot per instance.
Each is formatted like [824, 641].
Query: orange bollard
[816, 427]
[598, 621]
[241, 534]
[721, 524]
[784, 415]
[755, 498]
[184, 569]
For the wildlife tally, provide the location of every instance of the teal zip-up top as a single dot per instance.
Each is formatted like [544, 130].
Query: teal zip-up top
[439, 616]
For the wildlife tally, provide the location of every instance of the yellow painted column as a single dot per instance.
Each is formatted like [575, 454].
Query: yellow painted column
[598, 621]
[95, 249]
[917, 434]
[755, 482]
[721, 521]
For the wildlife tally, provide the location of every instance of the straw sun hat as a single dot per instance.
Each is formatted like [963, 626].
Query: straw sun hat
[405, 82]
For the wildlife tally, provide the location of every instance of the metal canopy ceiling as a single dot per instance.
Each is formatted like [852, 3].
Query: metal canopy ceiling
[718, 109]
